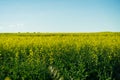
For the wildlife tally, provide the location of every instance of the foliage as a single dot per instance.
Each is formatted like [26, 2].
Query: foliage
[60, 56]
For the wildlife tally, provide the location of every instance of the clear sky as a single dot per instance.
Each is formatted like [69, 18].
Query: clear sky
[59, 15]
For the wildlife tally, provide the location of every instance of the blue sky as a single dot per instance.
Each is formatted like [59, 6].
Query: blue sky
[59, 15]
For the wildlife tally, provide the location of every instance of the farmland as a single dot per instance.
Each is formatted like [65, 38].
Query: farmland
[60, 56]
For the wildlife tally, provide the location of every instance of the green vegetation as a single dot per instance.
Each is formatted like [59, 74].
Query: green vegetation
[60, 56]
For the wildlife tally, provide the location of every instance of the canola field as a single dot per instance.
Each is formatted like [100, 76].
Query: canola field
[60, 56]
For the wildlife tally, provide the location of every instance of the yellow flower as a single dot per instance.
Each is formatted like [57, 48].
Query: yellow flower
[7, 78]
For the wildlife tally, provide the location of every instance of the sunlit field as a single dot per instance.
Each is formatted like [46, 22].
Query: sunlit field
[60, 56]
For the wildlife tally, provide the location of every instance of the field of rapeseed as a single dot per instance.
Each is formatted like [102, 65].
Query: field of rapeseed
[60, 56]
